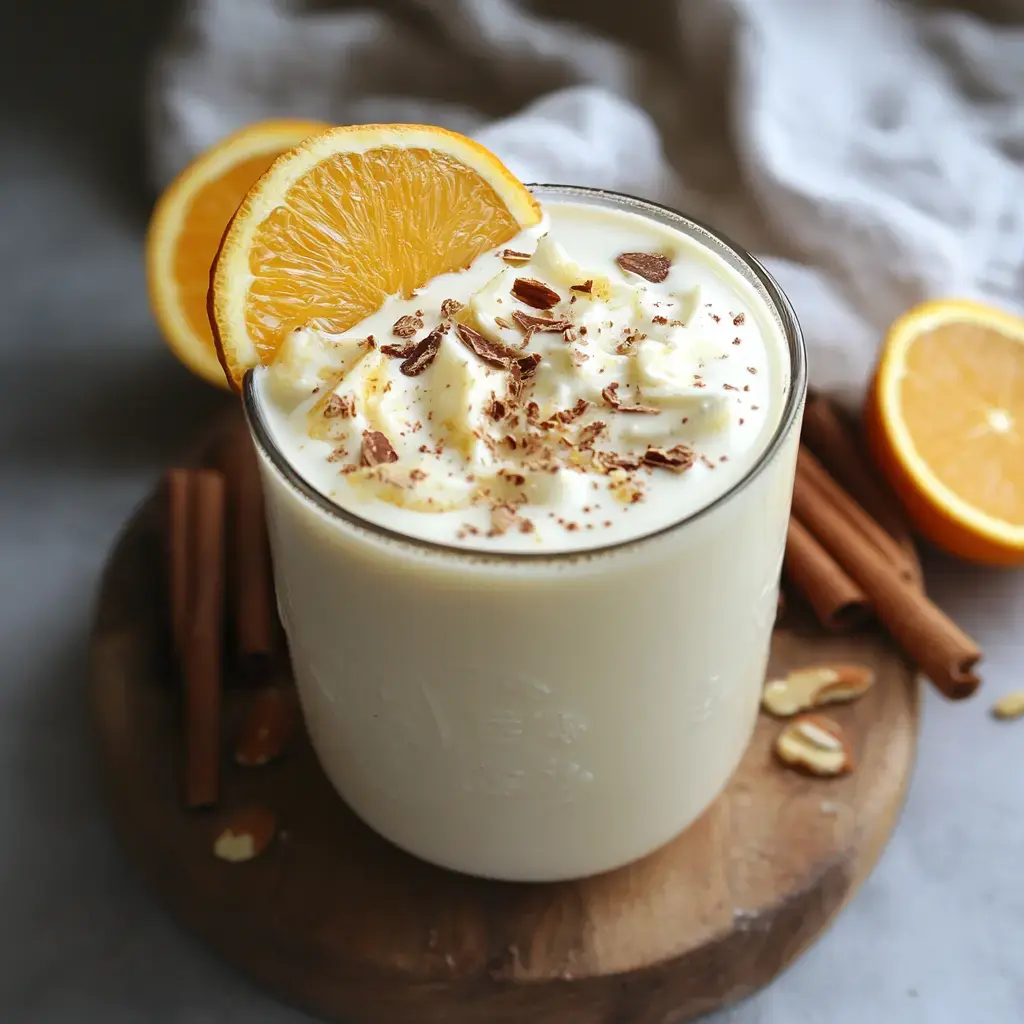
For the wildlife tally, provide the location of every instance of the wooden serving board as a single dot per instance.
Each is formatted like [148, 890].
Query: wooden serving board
[335, 920]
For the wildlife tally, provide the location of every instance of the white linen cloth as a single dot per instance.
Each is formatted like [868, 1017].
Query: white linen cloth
[871, 152]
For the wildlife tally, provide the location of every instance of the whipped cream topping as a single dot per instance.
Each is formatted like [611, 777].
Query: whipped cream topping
[597, 378]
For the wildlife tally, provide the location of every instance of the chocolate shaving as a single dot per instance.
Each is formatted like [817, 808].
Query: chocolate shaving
[613, 460]
[424, 353]
[502, 322]
[491, 352]
[651, 266]
[540, 324]
[738, 319]
[399, 351]
[376, 449]
[566, 416]
[340, 405]
[639, 410]
[450, 307]
[586, 288]
[534, 293]
[589, 434]
[527, 365]
[503, 518]
[611, 395]
[679, 458]
[512, 256]
[497, 409]
[407, 326]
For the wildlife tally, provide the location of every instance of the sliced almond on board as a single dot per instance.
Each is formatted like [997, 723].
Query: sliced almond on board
[1009, 706]
[814, 687]
[267, 728]
[815, 745]
[245, 834]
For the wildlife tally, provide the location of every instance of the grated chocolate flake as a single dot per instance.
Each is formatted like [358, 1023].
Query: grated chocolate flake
[540, 324]
[503, 518]
[502, 322]
[678, 458]
[376, 449]
[651, 266]
[497, 410]
[340, 405]
[407, 326]
[534, 293]
[491, 352]
[449, 308]
[516, 258]
[738, 319]
[589, 434]
[586, 288]
[611, 395]
[424, 353]
[398, 351]
[528, 365]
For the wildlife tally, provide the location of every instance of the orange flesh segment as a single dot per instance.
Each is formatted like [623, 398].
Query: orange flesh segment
[359, 227]
[202, 228]
[962, 399]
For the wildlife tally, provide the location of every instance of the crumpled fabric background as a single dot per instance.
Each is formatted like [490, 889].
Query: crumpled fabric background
[871, 152]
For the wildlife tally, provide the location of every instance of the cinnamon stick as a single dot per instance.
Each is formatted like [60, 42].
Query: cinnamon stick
[829, 436]
[178, 485]
[203, 652]
[944, 653]
[809, 468]
[251, 584]
[837, 601]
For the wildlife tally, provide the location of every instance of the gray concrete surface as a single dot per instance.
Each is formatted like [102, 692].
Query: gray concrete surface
[91, 408]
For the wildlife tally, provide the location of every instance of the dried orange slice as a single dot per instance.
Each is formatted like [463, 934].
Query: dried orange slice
[187, 226]
[349, 218]
[945, 422]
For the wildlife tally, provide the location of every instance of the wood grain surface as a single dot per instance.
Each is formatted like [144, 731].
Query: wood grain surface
[335, 920]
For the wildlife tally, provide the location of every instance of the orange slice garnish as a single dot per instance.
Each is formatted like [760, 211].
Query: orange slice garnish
[945, 422]
[349, 218]
[187, 226]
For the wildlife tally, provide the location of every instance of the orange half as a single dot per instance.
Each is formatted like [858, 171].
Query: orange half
[186, 228]
[349, 218]
[945, 422]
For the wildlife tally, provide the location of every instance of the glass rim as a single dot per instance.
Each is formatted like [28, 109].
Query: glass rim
[778, 304]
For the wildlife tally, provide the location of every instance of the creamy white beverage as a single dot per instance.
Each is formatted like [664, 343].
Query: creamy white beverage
[527, 528]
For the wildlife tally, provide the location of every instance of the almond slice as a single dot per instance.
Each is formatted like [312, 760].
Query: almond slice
[814, 687]
[267, 728]
[1009, 706]
[815, 745]
[245, 834]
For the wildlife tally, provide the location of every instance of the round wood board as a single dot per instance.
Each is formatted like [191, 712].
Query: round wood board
[334, 919]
